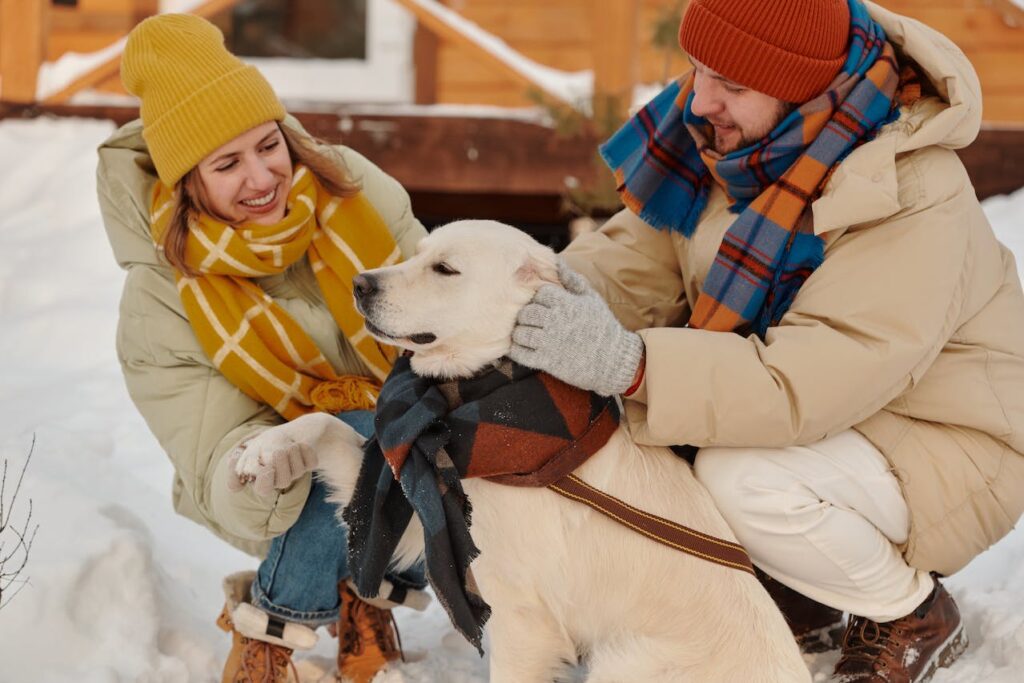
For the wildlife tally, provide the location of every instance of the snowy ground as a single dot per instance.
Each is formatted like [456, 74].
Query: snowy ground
[122, 589]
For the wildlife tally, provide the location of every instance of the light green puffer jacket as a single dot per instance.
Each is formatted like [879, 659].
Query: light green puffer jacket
[198, 415]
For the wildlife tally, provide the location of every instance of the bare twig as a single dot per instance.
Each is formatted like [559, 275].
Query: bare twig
[12, 563]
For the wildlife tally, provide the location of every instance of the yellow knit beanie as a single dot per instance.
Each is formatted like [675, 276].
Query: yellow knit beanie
[195, 95]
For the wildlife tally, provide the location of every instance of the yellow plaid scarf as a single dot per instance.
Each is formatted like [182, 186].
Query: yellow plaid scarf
[251, 339]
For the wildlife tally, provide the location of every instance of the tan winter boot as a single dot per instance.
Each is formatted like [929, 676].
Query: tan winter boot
[816, 627]
[367, 637]
[906, 650]
[261, 644]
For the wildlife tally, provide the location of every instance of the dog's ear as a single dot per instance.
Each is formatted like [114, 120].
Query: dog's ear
[538, 269]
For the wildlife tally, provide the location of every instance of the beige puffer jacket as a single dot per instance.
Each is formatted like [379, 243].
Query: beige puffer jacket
[194, 411]
[911, 332]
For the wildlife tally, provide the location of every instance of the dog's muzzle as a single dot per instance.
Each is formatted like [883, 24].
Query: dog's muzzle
[364, 288]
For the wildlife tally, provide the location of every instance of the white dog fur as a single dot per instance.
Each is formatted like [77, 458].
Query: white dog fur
[565, 581]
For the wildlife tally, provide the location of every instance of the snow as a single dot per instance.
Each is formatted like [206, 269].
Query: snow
[55, 76]
[120, 588]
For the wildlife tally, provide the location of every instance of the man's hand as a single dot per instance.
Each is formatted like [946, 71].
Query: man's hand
[570, 333]
[276, 457]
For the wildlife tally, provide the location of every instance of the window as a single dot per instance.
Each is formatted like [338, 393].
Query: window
[303, 29]
[326, 50]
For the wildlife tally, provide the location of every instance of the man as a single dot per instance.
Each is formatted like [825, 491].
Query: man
[804, 287]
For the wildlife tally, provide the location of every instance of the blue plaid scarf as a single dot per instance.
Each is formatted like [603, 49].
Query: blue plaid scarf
[665, 168]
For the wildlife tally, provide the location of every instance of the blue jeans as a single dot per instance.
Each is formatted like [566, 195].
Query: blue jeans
[298, 580]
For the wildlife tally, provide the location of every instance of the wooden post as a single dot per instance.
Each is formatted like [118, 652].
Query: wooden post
[615, 50]
[425, 45]
[23, 34]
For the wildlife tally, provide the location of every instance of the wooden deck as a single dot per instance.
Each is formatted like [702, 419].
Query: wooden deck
[513, 170]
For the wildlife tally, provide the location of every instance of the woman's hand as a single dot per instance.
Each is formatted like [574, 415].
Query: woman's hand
[272, 460]
[570, 333]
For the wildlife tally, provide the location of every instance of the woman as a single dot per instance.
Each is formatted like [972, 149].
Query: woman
[241, 235]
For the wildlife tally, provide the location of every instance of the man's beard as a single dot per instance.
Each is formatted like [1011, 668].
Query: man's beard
[783, 110]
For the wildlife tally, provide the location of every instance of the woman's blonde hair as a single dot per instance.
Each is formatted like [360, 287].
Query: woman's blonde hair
[318, 156]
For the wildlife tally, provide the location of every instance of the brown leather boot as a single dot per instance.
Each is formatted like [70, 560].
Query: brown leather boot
[906, 650]
[261, 645]
[367, 638]
[816, 627]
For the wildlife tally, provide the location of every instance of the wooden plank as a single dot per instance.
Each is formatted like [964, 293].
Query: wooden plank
[971, 28]
[614, 55]
[74, 20]
[999, 70]
[457, 64]
[1005, 108]
[425, 47]
[511, 95]
[23, 32]
[110, 67]
[463, 154]
[907, 7]
[551, 23]
[528, 5]
[61, 42]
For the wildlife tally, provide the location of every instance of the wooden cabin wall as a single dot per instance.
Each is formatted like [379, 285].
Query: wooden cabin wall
[557, 33]
[982, 30]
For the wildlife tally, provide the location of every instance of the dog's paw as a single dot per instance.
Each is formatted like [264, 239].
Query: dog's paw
[273, 460]
[247, 463]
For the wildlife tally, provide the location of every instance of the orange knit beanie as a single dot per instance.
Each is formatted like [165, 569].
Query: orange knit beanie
[789, 49]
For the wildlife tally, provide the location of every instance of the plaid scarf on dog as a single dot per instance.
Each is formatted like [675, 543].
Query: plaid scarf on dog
[665, 168]
[510, 424]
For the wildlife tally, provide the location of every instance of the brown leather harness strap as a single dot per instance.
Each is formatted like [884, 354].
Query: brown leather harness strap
[685, 539]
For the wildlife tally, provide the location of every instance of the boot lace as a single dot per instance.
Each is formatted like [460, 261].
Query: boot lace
[868, 641]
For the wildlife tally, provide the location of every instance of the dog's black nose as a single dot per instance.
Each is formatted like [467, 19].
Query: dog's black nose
[364, 285]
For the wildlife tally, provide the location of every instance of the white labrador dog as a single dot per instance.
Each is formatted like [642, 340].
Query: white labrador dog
[563, 580]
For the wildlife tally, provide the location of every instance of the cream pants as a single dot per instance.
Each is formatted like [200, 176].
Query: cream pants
[824, 519]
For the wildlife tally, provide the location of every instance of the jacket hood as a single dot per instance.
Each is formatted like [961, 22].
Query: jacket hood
[125, 177]
[952, 120]
[865, 186]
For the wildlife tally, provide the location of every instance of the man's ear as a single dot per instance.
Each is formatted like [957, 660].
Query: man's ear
[539, 268]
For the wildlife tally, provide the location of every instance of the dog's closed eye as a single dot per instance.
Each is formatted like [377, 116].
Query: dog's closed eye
[443, 268]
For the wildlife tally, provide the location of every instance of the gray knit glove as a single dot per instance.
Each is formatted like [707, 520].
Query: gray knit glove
[569, 332]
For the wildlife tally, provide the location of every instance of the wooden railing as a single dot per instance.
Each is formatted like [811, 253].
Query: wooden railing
[614, 49]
